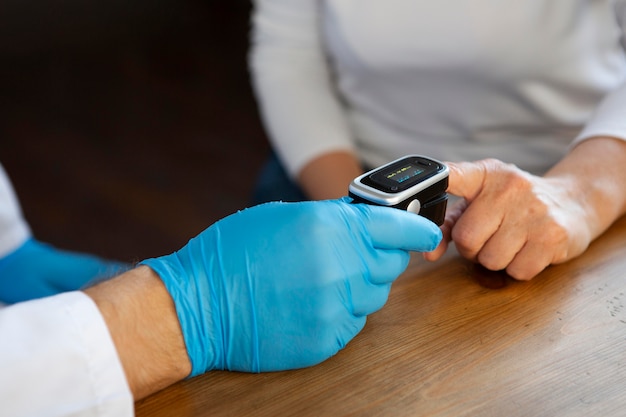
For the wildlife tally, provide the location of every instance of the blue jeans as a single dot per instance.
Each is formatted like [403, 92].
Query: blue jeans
[274, 184]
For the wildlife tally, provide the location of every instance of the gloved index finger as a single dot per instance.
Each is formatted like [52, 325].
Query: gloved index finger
[392, 228]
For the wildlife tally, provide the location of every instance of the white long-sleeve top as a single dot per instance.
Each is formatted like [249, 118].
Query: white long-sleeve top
[455, 80]
[57, 357]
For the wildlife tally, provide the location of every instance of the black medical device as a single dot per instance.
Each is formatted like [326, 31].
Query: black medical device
[414, 183]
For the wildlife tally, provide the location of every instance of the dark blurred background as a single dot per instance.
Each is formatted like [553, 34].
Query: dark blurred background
[127, 127]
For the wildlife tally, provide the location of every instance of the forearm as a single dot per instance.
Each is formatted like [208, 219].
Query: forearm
[293, 83]
[328, 176]
[142, 320]
[594, 172]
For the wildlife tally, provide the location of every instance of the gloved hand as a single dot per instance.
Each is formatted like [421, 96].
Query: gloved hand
[36, 270]
[287, 285]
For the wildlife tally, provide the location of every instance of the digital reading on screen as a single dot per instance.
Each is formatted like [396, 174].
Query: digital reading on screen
[414, 183]
[404, 173]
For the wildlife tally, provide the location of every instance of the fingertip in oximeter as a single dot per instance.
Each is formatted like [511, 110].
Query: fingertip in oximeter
[414, 183]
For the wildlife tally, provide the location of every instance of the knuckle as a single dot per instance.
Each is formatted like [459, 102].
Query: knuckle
[490, 262]
[525, 273]
[496, 165]
[554, 239]
[465, 240]
[515, 184]
[490, 163]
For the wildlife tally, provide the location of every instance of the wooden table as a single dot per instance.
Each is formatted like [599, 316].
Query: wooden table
[455, 340]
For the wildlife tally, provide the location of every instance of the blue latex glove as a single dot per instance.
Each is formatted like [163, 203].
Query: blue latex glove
[38, 270]
[287, 285]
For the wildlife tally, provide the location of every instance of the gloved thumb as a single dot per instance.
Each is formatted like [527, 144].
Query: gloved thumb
[392, 228]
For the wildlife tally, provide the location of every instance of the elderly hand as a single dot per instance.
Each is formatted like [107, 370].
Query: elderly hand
[512, 220]
[287, 285]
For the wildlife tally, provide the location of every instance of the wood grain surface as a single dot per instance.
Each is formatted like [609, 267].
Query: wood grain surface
[455, 340]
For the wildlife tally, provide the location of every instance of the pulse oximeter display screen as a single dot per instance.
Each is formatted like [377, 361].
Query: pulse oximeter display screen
[404, 173]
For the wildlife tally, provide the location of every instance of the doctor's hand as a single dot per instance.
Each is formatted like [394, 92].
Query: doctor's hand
[514, 221]
[37, 269]
[287, 285]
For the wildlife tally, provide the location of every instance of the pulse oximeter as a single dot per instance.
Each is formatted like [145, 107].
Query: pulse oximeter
[414, 183]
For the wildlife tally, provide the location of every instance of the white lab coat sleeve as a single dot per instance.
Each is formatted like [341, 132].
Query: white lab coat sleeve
[13, 228]
[608, 118]
[57, 358]
[300, 110]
